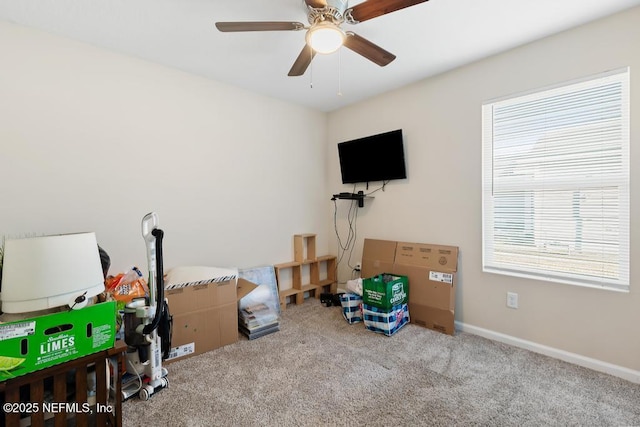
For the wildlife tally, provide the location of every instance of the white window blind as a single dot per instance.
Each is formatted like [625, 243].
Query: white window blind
[556, 183]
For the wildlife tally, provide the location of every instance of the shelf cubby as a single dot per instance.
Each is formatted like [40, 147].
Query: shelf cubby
[304, 247]
[325, 281]
[294, 293]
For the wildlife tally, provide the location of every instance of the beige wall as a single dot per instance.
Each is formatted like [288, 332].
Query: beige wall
[440, 202]
[92, 141]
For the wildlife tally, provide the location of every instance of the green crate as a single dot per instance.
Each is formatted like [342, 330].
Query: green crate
[32, 344]
[385, 290]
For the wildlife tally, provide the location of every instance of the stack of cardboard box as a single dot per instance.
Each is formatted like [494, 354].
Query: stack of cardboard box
[431, 270]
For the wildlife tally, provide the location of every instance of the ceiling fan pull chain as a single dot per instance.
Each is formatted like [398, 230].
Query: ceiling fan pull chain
[340, 72]
[311, 70]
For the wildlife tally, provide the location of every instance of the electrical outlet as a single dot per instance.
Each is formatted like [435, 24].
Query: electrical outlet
[512, 300]
[358, 267]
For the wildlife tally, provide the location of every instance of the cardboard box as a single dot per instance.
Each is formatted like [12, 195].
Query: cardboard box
[39, 342]
[431, 270]
[432, 274]
[205, 315]
[377, 257]
[385, 321]
[385, 290]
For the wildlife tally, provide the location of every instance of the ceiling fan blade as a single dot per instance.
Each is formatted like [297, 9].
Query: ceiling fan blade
[259, 26]
[316, 4]
[302, 61]
[367, 49]
[372, 9]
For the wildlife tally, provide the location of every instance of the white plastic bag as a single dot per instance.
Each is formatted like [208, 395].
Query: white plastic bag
[355, 286]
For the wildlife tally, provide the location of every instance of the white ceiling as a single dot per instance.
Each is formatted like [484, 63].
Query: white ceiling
[427, 39]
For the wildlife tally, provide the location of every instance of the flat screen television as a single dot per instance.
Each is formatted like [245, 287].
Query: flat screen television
[372, 158]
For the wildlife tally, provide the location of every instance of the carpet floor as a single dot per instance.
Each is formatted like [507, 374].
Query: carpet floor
[319, 370]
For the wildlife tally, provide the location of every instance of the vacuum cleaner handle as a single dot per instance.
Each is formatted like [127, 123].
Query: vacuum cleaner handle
[158, 234]
[149, 224]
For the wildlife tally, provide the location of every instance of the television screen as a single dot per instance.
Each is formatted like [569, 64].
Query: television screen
[373, 158]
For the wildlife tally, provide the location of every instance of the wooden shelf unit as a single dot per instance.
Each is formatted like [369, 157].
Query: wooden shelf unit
[305, 258]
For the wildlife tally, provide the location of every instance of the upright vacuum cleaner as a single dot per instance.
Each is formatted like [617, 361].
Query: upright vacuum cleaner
[148, 323]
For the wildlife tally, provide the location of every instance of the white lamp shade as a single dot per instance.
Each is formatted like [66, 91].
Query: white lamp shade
[41, 273]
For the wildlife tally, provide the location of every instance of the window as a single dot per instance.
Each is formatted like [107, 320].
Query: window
[556, 183]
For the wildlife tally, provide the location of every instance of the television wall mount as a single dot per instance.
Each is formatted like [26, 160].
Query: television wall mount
[359, 196]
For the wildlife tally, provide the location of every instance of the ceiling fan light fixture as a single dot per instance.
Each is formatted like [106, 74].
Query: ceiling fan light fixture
[325, 37]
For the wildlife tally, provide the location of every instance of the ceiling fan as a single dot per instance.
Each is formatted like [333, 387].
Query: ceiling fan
[325, 35]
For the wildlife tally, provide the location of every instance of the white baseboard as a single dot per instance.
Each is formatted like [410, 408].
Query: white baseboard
[576, 359]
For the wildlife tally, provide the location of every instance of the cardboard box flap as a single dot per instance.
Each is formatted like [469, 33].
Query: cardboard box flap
[245, 287]
[381, 250]
[201, 296]
[433, 318]
[436, 257]
[377, 256]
